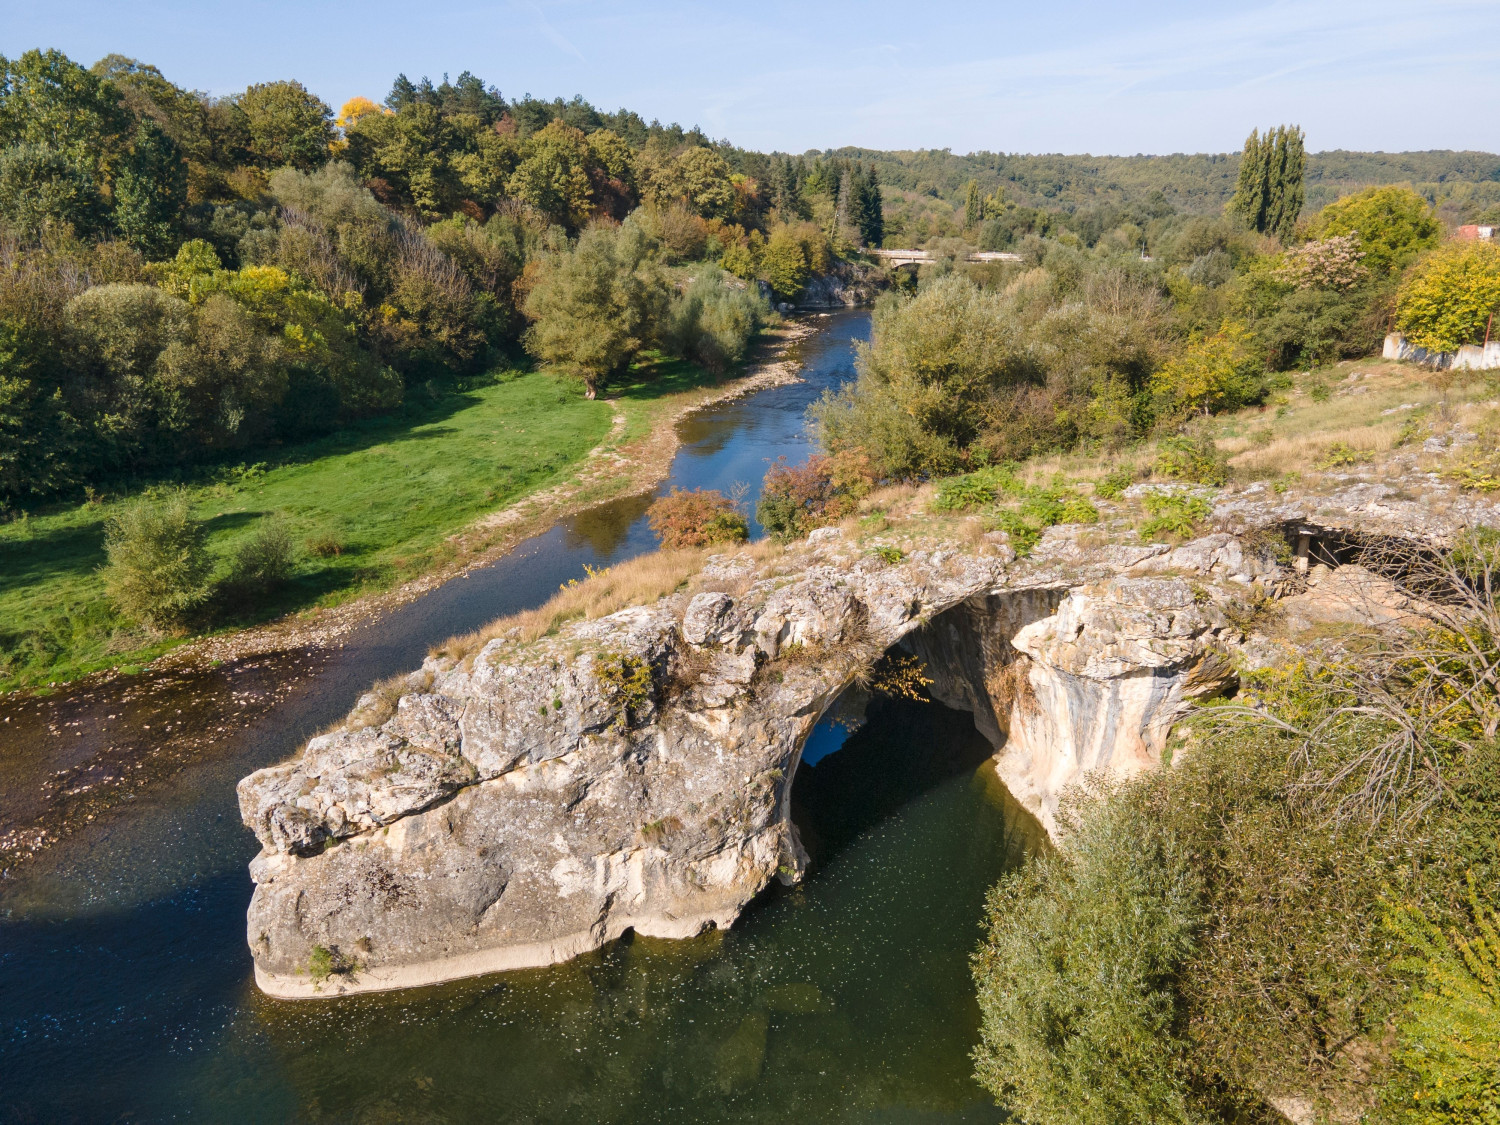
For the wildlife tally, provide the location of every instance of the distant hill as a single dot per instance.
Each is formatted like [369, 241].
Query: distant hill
[1189, 181]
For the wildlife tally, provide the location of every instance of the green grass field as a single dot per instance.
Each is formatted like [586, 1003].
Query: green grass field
[371, 505]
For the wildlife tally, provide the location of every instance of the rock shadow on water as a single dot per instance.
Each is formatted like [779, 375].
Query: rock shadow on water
[904, 748]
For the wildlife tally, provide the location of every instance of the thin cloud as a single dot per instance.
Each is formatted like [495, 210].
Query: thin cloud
[553, 36]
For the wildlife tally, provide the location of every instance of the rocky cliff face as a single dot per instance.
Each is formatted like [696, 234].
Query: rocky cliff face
[534, 800]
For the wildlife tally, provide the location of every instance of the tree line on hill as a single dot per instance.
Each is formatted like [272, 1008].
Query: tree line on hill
[927, 188]
[183, 277]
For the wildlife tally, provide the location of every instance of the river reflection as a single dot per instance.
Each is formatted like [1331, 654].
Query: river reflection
[125, 990]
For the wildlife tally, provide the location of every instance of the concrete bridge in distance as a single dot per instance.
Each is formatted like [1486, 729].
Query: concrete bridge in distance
[895, 258]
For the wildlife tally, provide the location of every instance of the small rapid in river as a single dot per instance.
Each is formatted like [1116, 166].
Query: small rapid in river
[125, 986]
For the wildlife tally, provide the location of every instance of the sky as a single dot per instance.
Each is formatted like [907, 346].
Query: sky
[1043, 76]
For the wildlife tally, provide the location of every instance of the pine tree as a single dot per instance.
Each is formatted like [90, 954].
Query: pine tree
[403, 93]
[872, 210]
[1270, 193]
[843, 209]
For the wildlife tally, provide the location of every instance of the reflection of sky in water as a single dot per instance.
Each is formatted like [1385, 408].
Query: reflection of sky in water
[125, 981]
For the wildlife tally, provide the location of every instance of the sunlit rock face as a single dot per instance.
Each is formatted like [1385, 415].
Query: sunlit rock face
[538, 798]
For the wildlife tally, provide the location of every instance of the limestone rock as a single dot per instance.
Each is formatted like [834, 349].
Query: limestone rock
[535, 800]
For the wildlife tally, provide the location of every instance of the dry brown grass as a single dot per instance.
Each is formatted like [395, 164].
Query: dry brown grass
[639, 581]
[1304, 450]
[379, 703]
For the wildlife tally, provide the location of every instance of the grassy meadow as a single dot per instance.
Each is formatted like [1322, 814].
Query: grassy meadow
[370, 506]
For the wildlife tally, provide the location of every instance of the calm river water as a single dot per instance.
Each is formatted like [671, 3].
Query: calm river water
[125, 986]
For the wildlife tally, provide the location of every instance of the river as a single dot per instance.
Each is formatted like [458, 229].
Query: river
[125, 985]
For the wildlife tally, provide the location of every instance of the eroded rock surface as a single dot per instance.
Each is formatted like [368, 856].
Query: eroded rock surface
[537, 799]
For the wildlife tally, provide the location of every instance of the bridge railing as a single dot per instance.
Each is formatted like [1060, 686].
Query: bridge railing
[918, 257]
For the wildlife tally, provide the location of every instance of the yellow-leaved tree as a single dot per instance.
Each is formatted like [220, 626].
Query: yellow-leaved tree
[1449, 297]
[354, 109]
[1218, 372]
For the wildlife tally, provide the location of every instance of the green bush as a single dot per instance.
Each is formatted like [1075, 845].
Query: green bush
[712, 321]
[1113, 486]
[158, 566]
[959, 494]
[1188, 459]
[1450, 1035]
[628, 680]
[266, 559]
[1081, 1021]
[1024, 535]
[1173, 514]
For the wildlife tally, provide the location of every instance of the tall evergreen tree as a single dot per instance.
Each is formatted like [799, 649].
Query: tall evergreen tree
[1270, 191]
[868, 208]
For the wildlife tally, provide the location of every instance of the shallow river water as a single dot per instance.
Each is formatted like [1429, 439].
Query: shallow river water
[125, 986]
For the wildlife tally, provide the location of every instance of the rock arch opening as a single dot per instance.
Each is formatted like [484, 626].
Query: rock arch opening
[869, 756]
[872, 751]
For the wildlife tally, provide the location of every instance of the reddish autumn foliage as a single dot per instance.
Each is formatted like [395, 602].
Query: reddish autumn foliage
[696, 518]
[794, 499]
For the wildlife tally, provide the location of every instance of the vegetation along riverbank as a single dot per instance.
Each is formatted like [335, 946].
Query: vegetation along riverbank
[267, 372]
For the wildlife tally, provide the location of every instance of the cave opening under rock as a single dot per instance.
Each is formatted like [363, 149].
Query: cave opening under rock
[852, 774]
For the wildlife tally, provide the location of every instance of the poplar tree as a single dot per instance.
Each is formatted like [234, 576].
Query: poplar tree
[972, 205]
[1269, 194]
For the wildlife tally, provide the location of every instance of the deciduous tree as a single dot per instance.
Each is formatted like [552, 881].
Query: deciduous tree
[1450, 296]
[287, 125]
[593, 307]
[1394, 225]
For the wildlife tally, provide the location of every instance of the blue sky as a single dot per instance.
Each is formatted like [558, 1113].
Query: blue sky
[1040, 76]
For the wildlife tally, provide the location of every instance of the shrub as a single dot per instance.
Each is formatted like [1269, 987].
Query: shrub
[1220, 372]
[927, 380]
[324, 962]
[969, 491]
[628, 681]
[1449, 296]
[1081, 1020]
[1173, 514]
[1113, 486]
[266, 559]
[158, 566]
[325, 546]
[1023, 534]
[713, 320]
[1188, 459]
[699, 517]
[1350, 780]
[1450, 1037]
[1340, 455]
[900, 675]
[822, 490]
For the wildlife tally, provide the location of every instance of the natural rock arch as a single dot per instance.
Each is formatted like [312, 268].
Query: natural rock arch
[517, 809]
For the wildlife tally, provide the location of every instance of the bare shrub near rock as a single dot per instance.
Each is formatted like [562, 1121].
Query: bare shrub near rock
[1386, 722]
[158, 567]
